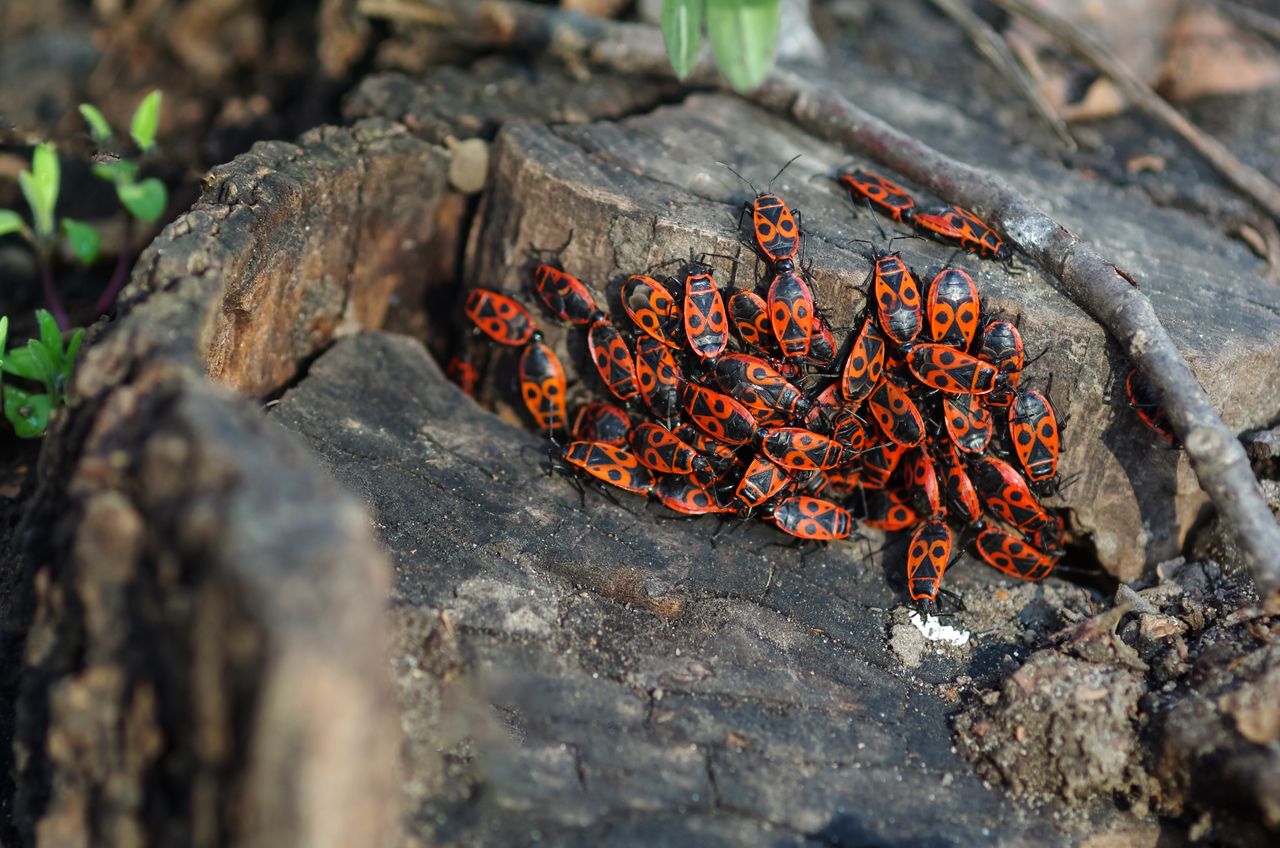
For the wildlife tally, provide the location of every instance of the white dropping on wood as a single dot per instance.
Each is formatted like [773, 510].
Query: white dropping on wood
[935, 631]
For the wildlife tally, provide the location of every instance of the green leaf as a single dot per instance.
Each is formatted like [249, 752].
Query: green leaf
[20, 363]
[11, 222]
[682, 30]
[50, 332]
[69, 358]
[146, 200]
[743, 35]
[83, 238]
[99, 129]
[145, 121]
[46, 363]
[4, 336]
[40, 187]
[28, 412]
[117, 171]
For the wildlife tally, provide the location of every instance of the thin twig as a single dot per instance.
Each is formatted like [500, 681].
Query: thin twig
[1249, 180]
[1251, 19]
[1216, 456]
[997, 52]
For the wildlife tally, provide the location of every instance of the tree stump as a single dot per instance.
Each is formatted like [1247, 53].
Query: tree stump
[596, 674]
[647, 189]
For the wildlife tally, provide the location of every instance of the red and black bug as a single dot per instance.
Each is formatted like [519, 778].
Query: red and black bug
[958, 488]
[1050, 538]
[543, 385]
[761, 481]
[1013, 556]
[658, 377]
[1002, 347]
[613, 360]
[776, 228]
[659, 449]
[897, 298]
[822, 346]
[615, 465]
[968, 422]
[718, 415]
[889, 511]
[897, 416]
[601, 422]
[1146, 403]
[938, 226]
[812, 518]
[799, 449]
[879, 462]
[791, 313]
[682, 495]
[722, 456]
[564, 294]
[865, 365]
[953, 308]
[652, 309]
[706, 324]
[889, 197]
[750, 316]
[977, 236]
[928, 555]
[769, 396]
[499, 317]
[462, 371]
[949, 370]
[957, 225]
[1006, 495]
[1033, 426]
[922, 480]
[845, 427]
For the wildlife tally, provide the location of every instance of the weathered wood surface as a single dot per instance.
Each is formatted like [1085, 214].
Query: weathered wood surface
[648, 188]
[598, 675]
[197, 610]
[206, 660]
[290, 245]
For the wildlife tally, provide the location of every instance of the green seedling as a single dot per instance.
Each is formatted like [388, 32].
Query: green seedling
[145, 199]
[45, 365]
[743, 35]
[40, 186]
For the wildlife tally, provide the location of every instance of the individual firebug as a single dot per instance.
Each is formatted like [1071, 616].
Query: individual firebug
[887, 196]
[612, 464]
[543, 385]
[706, 324]
[1005, 552]
[612, 358]
[928, 555]
[953, 308]
[499, 317]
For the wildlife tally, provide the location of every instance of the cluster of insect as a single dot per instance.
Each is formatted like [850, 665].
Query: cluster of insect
[741, 402]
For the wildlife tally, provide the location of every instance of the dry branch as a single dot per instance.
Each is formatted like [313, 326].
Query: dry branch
[1249, 180]
[1217, 458]
[997, 52]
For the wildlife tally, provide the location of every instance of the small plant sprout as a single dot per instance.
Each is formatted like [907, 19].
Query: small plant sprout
[43, 368]
[145, 199]
[743, 34]
[40, 187]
